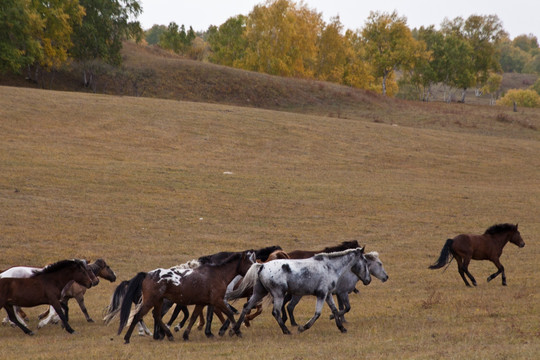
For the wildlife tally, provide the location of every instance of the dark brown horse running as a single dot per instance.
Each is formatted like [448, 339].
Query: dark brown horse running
[45, 287]
[202, 286]
[488, 246]
[304, 254]
[74, 290]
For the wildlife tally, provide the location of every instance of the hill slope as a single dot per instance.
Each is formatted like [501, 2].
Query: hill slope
[149, 183]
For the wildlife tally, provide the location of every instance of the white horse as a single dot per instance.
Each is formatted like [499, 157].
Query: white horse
[345, 285]
[317, 276]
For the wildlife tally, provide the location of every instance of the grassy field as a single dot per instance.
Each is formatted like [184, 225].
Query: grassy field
[148, 183]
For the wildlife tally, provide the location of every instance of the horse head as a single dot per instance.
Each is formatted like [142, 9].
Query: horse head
[516, 238]
[360, 266]
[375, 266]
[83, 275]
[248, 258]
[105, 270]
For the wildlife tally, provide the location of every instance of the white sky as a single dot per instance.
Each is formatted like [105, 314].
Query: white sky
[518, 16]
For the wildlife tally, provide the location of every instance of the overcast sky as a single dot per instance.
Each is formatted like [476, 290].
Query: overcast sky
[518, 16]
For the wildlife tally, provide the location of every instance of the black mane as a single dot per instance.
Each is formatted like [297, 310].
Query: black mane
[500, 228]
[57, 266]
[262, 254]
[353, 244]
[222, 260]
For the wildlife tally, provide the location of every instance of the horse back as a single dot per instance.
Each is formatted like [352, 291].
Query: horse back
[477, 247]
[301, 254]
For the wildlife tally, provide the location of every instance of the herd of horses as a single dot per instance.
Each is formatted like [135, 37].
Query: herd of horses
[213, 281]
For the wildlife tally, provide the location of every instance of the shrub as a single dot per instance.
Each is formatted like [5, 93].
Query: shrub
[526, 98]
[536, 86]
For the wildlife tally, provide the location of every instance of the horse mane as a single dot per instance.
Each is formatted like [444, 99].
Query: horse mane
[353, 244]
[262, 254]
[57, 266]
[373, 255]
[334, 254]
[211, 259]
[235, 256]
[191, 264]
[500, 228]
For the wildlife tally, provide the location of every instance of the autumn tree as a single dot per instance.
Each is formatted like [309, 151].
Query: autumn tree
[55, 35]
[281, 39]
[153, 34]
[389, 45]
[332, 49]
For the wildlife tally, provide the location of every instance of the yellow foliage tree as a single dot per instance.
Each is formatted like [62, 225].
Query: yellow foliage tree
[389, 45]
[282, 37]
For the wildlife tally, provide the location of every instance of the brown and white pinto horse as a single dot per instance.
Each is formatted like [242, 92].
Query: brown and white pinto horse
[487, 246]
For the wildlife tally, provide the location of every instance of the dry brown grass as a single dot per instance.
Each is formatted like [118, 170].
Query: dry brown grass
[141, 183]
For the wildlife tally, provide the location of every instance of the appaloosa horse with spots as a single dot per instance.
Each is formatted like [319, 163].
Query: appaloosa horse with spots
[317, 276]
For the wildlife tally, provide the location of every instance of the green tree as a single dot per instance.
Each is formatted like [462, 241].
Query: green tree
[18, 47]
[176, 38]
[389, 45]
[153, 34]
[527, 43]
[492, 87]
[99, 37]
[228, 42]
[513, 58]
[482, 33]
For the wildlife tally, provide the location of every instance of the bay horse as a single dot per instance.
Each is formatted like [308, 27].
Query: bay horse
[29, 271]
[74, 290]
[317, 276]
[44, 287]
[487, 246]
[345, 285]
[202, 286]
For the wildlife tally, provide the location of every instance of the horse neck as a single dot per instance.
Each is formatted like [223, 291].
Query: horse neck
[60, 278]
[229, 270]
[502, 239]
[95, 268]
[343, 263]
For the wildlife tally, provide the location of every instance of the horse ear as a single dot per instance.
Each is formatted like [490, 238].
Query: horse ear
[516, 226]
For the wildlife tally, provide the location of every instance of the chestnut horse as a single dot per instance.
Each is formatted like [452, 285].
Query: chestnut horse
[74, 290]
[304, 254]
[488, 246]
[44, 287]
[202, 286]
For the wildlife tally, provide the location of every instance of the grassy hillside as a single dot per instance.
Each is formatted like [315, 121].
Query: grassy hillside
[149, 183]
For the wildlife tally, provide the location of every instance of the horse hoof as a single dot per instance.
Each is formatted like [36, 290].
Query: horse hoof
[170, 338]
[300, 329]
[210, 336]
[343, 330]
[31, 333]
[90, 320]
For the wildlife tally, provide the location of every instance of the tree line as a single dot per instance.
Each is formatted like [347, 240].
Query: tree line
[278, 37]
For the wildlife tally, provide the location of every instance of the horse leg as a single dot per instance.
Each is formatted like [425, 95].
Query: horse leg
[143, 329]
[59, 310]
[209, 317]
[459, 262]
[158, 319]
[43, 314]
[225, 322]
[287, 298]
[337, 314]
[466, 263]
[80, 301]
[201, 322]
[276, 311]
[259, 292]
[13, 317]
[250, 316]
[194, 315]
[290, 309]
[185, 311]
[500, 270]
[175, 313]
[48, 318]
[145, 308]
[318, 309]
[344, 305]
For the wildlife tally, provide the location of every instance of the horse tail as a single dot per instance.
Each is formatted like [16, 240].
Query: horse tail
[132, 295]
[247, 282]
[111, 311]
[445, 254]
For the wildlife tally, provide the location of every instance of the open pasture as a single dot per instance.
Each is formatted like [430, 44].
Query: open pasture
[146, 183]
